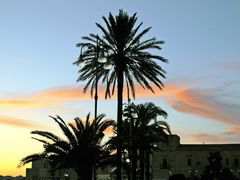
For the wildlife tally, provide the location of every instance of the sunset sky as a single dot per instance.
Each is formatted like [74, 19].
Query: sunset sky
[37, 78]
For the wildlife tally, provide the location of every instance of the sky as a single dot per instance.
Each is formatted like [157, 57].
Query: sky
[37, 79]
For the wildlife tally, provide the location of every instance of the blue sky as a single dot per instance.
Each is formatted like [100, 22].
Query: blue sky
[37, 78]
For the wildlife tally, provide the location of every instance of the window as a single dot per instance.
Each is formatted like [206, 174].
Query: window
[45, 165]
[189, 162]
[236, 161]
[227, 161]
[164, 163]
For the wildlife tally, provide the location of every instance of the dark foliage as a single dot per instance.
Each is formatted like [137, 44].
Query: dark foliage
[177, 177]
[213, 169]
[81, 149]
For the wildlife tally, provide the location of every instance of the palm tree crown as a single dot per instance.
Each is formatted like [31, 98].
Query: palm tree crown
[141, 123]
[144, 118]
[81, 150]
[128, 54]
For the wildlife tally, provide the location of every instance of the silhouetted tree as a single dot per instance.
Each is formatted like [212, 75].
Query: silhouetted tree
[213, 169]
[141, 131]
[130, 59]
[82, 150]
[147, 131]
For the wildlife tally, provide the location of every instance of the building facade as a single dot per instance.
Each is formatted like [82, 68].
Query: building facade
[12, 178]
[40, 171]
[174, 158]
[191, 159]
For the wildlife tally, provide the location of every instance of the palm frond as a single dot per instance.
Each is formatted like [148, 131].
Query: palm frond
[30, 158]
[66, 131]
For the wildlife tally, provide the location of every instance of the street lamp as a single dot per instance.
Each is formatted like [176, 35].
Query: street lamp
[94, 52]
[100, 58]
[134, 116]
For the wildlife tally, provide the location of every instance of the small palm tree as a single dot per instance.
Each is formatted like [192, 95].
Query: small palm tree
[145, 131]
[130, 59]
[82, 150]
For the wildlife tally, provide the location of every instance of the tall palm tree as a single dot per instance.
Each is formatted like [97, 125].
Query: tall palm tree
[130, 59]
[146, 130]
[82, 150]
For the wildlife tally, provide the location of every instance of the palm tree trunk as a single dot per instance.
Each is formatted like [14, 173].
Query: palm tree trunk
[134, 164]
[147, 166]
[84, 174]
[119, 123]
[94, 172]
[95, 117]
[142, 164]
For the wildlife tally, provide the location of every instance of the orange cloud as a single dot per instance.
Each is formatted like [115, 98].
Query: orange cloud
[229, 136]
[206, 138]
[57, 96]
[200, 102]
[233, 132]
[205, 104]
[54, 96]
[25, 103]
[47, 98]
[62, 93]
[76, 93]
[17, 122]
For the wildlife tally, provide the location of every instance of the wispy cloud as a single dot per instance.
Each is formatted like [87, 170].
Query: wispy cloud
[59, 95]
[17, 122]
[219, 104]
[233, 132]
[206, 138]
[231, 65]
[212, 103]
[53, 97]
[231, 135]
[62, 93]
[205, 103]
[25, 103]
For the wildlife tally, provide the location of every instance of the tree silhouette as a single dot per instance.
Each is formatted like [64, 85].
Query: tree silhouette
[213, 169]
[147, 130]
[82, 150]
[141, 131]
[131, 60]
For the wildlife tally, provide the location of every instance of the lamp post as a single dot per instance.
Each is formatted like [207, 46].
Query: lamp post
[100, 58]
[95, 53]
